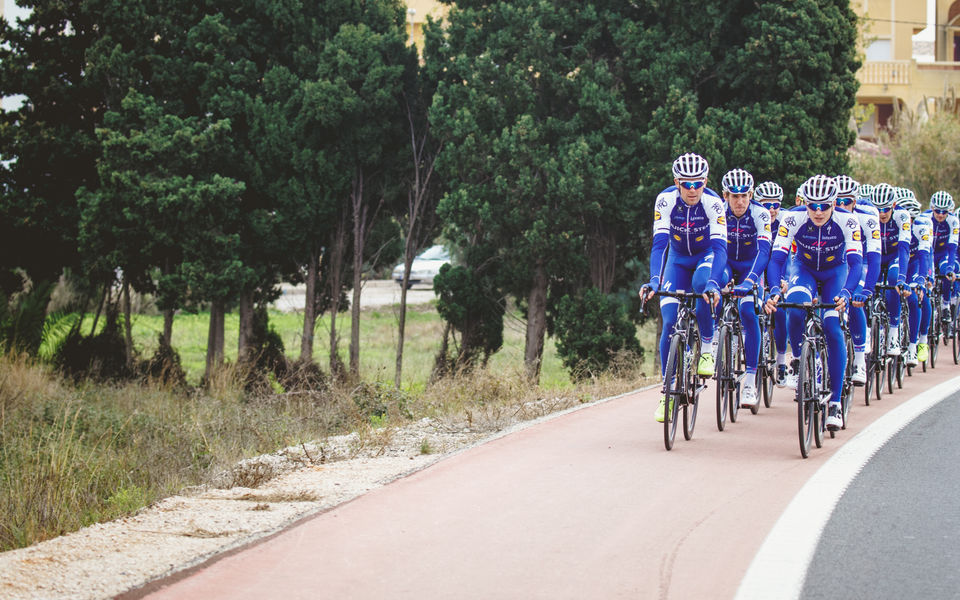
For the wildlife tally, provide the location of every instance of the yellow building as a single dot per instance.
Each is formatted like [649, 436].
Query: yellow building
[898, 72]
[417, 11]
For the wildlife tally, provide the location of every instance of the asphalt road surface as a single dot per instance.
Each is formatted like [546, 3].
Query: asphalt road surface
[584, 505]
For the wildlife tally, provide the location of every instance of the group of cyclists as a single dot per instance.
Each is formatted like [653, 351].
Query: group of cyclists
[842, 243]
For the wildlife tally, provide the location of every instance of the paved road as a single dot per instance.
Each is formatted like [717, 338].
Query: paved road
[586, 505]
[896, 531]
[377, 292]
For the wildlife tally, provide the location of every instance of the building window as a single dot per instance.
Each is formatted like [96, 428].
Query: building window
[879, 50]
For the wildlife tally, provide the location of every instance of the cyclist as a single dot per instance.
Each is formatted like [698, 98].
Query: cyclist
[894, 255]
[689, 252]
[847, 192]
[829, 266]
[863, 194]
[946, 234]
[919, 270]
[770, 195]
[748, 250]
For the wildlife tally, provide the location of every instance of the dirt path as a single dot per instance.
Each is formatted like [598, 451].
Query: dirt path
[587, 505]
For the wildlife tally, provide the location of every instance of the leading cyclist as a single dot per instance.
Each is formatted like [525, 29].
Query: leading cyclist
[829, 266]
[689, 252]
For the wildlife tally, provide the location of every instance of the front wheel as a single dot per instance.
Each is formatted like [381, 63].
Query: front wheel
[807, 394]
[723, 377]
[768, 364]
[693, 385]
[673, 390]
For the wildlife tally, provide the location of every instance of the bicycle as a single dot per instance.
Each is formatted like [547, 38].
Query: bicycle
[681, 383]
[940, 320]
[813, 386]
[730, 365]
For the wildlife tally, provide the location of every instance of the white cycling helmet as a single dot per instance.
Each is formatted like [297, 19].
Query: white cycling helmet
[941, 200]
[846, 186]
[819, 188]
[690, 166]
[737, 181]
[768, 191]
[882, 195]
[901, 193]
[866, 189]
[911, 205]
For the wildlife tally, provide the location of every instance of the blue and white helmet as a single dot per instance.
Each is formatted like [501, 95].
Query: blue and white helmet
[866, 189]
[941, 200]
[690, 166]
[768, 191]
[882, 195]
[737, 181]
[847, 186]
[911, 205]
[819, 188]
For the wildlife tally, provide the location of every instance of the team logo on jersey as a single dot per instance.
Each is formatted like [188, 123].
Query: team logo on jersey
[656, 215]
[906, 225]
[699, 237]
[956, 231]
[789, 221]
[783, 232]
[766, 227]
[856, 235]
[925, 237]
[876, 234]
[677, 237]
[829, 258]
[721, 220]
[871, 224]
[662, 203]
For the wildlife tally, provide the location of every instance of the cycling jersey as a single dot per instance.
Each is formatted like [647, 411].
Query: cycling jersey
[748, 240]
[688, 230]
[895, 242]
[946, 234]
[921, 244]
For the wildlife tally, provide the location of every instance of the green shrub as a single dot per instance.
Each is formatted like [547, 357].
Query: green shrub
[591, 329]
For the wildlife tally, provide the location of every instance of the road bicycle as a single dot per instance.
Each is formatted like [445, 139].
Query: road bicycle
[681, 383]
[878, 325]
[813, 385]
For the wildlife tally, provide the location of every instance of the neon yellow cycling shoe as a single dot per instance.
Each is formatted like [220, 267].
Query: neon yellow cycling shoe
[661, 408]
[923, 352]
[705, 366]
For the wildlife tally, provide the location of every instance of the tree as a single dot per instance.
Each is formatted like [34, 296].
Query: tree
[534, 124]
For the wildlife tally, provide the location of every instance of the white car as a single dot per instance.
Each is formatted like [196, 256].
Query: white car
[425, 266]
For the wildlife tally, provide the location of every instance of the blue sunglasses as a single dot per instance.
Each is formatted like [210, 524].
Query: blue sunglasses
[738, 189]
[884, 210]
[821, 206]
[771, 205]
[691, 185]
[845, 200]
[940, 211]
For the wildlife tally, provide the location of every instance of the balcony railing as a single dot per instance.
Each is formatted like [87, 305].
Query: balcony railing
[887, 72]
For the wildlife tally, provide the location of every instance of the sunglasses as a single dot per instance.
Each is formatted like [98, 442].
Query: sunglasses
[940, 211]
[771, 205]
[884, 210]
[821, 206]
[738, 189]
[691, 185]
[844, 200]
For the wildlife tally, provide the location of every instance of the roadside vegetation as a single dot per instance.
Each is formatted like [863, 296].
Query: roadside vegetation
[73, 453]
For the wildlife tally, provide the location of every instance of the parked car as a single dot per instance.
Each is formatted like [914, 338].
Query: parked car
[425, 266]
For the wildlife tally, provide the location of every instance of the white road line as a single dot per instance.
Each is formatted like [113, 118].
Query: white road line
[780, 566]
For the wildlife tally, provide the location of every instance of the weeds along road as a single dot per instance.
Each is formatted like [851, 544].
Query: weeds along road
[585, 505]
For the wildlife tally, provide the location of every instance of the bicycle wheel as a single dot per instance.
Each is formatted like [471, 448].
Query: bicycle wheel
[955, 333]
[902, 367]
[846, 396]
[693, 383]
[806, 396]
[673, 390]
[736, 372]
[871, 360]
[880, 353]
[819, 411]
[722, 375]
[935, 332]
[768, 363]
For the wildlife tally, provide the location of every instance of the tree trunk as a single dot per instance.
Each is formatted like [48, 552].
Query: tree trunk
[128, 326]
[215, 339]
[168, 327]
[245, 341]
[536, 324]
[407, 261]
[602, 250]
[310, 309]
[338, 250]
[103, 301]
[359, 235]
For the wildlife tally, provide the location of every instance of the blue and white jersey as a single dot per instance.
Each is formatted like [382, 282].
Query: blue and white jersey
[748, 239]
[691, 228]
[819, 248]
[688, 230]
[946, 234]
[869, 218]
[921, 238]
[895, 234]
